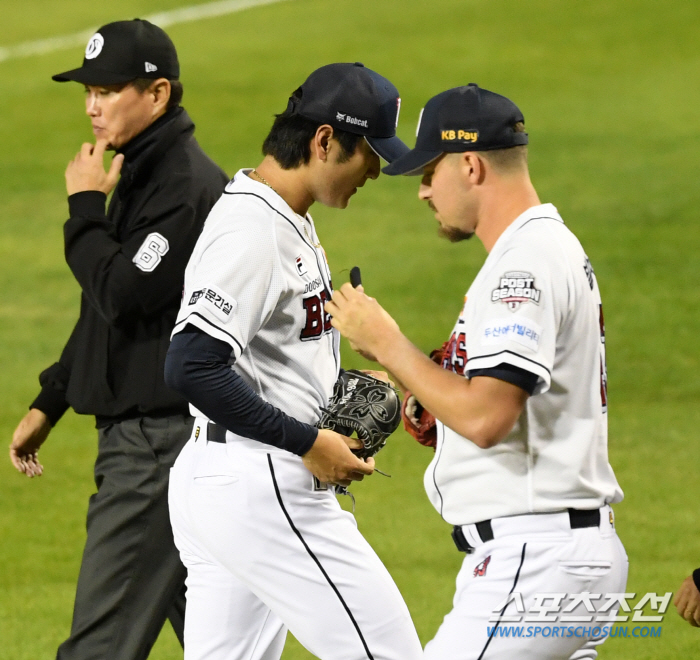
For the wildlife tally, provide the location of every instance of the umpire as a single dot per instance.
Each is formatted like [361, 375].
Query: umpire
[129, 261]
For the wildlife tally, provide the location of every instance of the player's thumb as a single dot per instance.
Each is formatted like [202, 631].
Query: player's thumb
[366, 466]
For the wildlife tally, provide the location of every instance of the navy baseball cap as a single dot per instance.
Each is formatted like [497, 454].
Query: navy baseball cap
[465, 118]
[123, 51]
[353, 98]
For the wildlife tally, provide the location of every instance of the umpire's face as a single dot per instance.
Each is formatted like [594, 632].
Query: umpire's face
[120, 112]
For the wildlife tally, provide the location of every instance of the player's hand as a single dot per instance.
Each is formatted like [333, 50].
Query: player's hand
[362, 321]
[331, 461]
[26, 440]
[87, 172]
[687, 602]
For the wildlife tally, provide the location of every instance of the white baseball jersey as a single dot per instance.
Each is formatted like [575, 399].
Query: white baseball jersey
[256, 281]
[266, 547]
[535, 305]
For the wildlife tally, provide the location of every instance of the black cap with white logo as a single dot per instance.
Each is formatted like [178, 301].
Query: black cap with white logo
[461, 119]
[123, 51]
[355, 99]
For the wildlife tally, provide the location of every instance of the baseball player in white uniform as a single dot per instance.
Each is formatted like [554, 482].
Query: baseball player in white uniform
[521, 467]
[265, 543]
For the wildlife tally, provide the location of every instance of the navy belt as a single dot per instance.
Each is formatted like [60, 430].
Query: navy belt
[578, 519]
[216, 433]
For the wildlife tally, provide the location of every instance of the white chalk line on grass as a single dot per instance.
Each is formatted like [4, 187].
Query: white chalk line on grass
[162, 19]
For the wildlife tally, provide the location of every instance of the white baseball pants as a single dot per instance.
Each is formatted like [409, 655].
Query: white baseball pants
[266, 552]
[533, 556]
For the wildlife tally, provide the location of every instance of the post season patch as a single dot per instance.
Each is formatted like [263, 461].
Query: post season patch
[516, 288]
[521, 330]
[212, 299]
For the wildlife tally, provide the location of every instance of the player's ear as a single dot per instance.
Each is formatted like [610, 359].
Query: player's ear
[321, 142]
[472, 167]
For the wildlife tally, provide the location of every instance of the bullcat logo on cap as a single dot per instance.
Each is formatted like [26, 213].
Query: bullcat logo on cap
[460, 135]
[94, 47]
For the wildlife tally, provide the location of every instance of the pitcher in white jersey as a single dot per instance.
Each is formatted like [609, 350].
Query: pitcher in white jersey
[521, 466]
[266, 545]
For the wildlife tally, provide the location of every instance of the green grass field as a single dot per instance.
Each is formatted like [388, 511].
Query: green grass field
[610, 92]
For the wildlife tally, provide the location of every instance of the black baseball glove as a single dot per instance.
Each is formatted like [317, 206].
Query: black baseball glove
[366, 405]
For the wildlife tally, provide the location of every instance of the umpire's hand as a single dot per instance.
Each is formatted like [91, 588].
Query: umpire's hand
[87, 172]
[331, 461]
[687, 602]
[26, 440]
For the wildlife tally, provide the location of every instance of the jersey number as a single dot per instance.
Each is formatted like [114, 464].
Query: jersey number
[317, 321]
[455, 355]
[153, 249]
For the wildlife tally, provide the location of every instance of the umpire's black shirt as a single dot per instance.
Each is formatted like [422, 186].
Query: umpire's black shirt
[130, 263]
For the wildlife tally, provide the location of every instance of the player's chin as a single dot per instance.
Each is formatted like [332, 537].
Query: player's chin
[453, 234]
[342, 201]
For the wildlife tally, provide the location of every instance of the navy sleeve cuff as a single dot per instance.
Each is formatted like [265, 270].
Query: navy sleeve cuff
[525, 380]
[90, 203]
[696, 578]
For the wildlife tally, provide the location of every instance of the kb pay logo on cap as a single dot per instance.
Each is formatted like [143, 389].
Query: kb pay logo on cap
[94, 47]
[460, 135]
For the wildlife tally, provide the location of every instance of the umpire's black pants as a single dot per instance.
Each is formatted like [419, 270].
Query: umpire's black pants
[131, 578]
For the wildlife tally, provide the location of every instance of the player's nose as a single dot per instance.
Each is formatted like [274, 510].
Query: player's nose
[374, 167]
[91, 105]
[424, 191]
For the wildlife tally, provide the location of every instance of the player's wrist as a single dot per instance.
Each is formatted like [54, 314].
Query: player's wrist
[389, 349]
[309, 442]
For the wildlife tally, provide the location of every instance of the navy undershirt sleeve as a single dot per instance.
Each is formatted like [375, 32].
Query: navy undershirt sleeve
[198, 367]
[524, 379]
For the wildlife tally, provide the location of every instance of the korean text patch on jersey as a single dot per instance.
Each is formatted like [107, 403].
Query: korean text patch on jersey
[215, 301]
[520, 329]
[515, 288]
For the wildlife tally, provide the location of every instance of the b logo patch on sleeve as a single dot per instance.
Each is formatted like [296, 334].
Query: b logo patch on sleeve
[152, 250]
[215, 301]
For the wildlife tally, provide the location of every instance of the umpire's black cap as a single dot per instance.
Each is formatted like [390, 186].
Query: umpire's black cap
[355, 99]
[465, 118]
[123, 51]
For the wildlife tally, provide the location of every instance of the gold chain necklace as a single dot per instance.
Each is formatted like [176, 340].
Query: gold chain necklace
[303, 223]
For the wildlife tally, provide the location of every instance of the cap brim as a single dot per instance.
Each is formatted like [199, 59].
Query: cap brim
[412, 163]
[92, 76]
[389, 149]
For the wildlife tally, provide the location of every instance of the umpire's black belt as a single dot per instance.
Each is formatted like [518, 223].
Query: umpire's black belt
[578, 519]
[216, 433]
